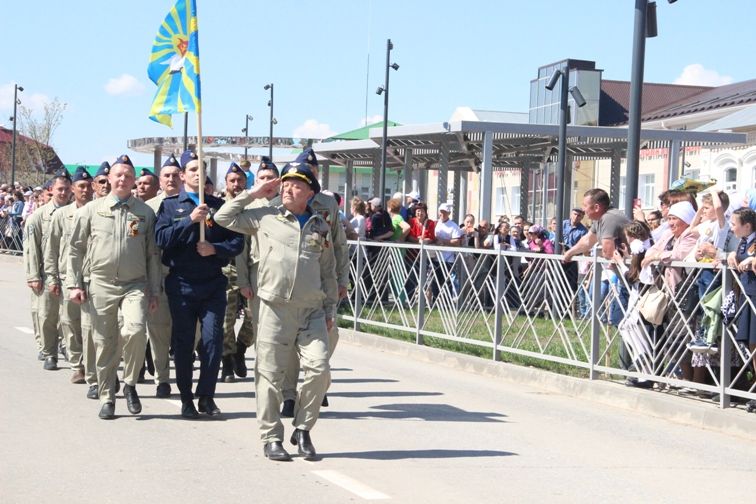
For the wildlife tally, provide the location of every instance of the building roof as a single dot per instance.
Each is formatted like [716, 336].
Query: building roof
[360, 133]
[742, 120]
[738, 93]
[615, 99]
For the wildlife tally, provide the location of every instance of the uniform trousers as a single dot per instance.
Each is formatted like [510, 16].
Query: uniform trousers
[70, 324]
[246, 334]
[48, 317]
[88, 351]
[35, 321]
[159, 334]
[191, 302]
[106, 300]
[292, 369]
[284, 330]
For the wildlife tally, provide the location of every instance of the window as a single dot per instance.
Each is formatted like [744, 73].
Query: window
[647, 190]
[622, 193]
[515, 201]
[731, 179]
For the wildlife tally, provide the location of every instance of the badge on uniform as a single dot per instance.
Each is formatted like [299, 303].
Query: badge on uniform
[134, 227]
[209, 219]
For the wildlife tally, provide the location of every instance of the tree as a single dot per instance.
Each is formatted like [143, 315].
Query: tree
[40, 157]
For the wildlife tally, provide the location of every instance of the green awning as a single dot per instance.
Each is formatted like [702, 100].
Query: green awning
[360, 133]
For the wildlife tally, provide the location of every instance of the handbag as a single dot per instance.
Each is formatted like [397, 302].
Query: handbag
[653, 305]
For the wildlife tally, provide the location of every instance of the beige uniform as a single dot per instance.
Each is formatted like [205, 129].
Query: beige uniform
[327, 207]
[56, 259]
[297, 288]
[159, 322]
[119, 240]
[47, 317]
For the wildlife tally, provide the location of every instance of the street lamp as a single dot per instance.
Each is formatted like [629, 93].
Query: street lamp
[564, 111]
[385, 91]
[245, 130]
[16, 102]
[272, 119]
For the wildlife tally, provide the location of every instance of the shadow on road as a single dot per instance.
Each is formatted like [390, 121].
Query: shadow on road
[364, 380]
[427, 412]
[418, 454]
[382, 394]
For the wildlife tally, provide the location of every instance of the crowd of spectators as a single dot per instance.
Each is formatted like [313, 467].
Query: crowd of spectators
[16, 204]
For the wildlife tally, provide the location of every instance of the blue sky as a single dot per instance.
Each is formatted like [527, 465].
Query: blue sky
[93, 56]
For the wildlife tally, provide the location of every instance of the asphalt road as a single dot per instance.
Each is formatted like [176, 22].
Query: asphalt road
[397, 429]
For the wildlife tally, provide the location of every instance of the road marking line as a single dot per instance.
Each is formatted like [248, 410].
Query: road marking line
[23, 329]
[351, 485]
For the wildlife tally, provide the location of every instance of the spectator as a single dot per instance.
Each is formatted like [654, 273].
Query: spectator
[380, 228]
[411, 200]
[538, 240]
[350, 233]
[572, 232]
[358, 217]
[400, 228]
[712, 227]
[749, 199]
[471, 236]
[402, 208]
[449, 234]
[484, 230]
[654, 219]
[743, 223]
[552, 229]
[422, 231]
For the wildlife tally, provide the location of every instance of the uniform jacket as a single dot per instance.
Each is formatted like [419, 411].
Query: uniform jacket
[58, 245]
[117, 242]
[36, 234]
[327, 207]
[296, 266]
[178, 236]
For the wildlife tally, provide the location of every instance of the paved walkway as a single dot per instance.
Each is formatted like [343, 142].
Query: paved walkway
[398, 429]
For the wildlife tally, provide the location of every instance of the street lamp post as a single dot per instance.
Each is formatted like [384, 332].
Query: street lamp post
[245, 130]
[16, 102]
[562, 74]
[272, 119]
[385, 91]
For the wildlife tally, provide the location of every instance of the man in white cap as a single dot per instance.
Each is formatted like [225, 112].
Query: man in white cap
[411, 199]
[448, 233]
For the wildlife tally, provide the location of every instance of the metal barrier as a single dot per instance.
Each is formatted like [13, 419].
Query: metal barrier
[534, 308]
[11, 237]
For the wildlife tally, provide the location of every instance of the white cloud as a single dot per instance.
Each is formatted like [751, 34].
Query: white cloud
[126, 84]
[33, 101]
[371, 120]
[311, 128]
[697, 75]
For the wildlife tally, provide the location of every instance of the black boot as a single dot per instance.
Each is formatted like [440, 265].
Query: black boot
[132, 399]
[240, 362]
[287, 411]
[227, 370]
[301, 438]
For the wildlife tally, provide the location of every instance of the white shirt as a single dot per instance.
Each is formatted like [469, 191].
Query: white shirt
[358, 224]
[448, 230]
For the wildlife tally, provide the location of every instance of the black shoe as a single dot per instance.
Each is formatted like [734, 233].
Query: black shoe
[92, 392]
[132, 399]
[51, 364]
[117, 385]
[107, 412]
[751, 406]
[227, 369]
[324, 403]
[301, 438]
[275, 451]
[240, 362]
[207, 405]
[287, 411]
[163, 390]
[635, 383]
[41, 355]
[189, 411]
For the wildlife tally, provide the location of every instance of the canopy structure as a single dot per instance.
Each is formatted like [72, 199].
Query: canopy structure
[486, 147]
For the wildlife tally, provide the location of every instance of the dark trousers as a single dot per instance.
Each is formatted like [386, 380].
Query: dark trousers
[191, 302]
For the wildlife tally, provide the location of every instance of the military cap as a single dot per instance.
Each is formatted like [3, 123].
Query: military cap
[209, 181]
[146, 172]
[301, 172]
[81, 173]
[172, 162]
[187, 157]
[47, 185]
[62, 172]
[124, 160]
[307, 157]
[267, 164]
[104, 170]
[235, 168]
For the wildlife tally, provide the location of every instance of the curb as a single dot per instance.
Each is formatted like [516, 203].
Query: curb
[731, 421]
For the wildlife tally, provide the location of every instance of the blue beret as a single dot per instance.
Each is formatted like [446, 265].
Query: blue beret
[81, 173]
[146, 172]
[172, 162]
[62, 172]
[125, 160]
[209, 181]
[235, 168]
[307, 157]
[187, 157]
[104, 170]
[301, 172]
[47, 185]
[267, 164]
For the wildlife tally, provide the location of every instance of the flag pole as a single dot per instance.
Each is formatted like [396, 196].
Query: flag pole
[201, 169]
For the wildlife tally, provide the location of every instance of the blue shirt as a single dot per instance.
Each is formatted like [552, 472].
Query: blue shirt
[303, 219]
[177, 236]
[250, 179]
[572, 234]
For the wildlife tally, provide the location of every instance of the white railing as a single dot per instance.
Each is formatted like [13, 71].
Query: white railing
[535, 309]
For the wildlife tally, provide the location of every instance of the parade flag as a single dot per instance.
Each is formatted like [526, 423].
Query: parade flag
[174, 64]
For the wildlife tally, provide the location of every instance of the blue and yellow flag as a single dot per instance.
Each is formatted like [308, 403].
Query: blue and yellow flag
[174, 64]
